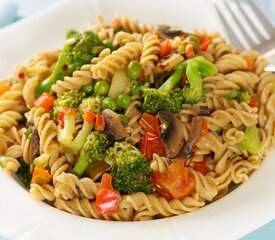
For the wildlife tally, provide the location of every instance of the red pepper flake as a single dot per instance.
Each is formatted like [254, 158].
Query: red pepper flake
[65, 67]
[21, 75]
[253, 102]
[184, 79]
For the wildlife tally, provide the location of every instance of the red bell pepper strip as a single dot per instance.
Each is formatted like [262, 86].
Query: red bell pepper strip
[165, 48]
[201, 167]
[41, 175]
[99, 123]
[107, 198]
[45, 101]
[151, 144]
[62, 113]
[89, 117]
[175, 182]
[150, 123]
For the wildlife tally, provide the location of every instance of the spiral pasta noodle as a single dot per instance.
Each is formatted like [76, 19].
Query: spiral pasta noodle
[187, 122]
[117, 60]
[149, 56]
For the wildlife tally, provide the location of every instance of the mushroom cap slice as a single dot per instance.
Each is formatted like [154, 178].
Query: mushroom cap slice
[115, 128]
[171, 132]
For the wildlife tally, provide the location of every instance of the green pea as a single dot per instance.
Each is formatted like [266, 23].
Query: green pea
[123, 100]
[136, 88]
[88, 88]
[108, 44]
[96, 50]
[124, 118]
[194, 40]
[101, 88]
[109, 103]
[134, 70]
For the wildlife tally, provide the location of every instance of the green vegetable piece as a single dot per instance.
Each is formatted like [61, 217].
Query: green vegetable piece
[123, 100]
[70, 99]
[23, 173]
[134, 70]
[70, 59]
[194, 92]
[239, 96]
[173, 80]
[124, 118]
[28, 132]
[136, 89]
[196, 42]
[91, 104]
[251, 141]
[101, 88]
[88, 88]
[108, 43]
[129, 168]
[109, 103]
[93, 150]
[206, 68]
[164, 98]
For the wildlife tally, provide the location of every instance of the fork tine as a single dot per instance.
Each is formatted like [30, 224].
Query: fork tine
[233, 39]
[242, 29]
[264, 21]
[250, 23]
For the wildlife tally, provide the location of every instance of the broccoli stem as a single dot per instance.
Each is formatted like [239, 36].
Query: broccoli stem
[193, 75]
[206, 68]
[173, 80]
[65, 134]
[81, 164]
[81, 137]
[251, 141]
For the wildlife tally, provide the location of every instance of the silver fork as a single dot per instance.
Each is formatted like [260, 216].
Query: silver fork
[265, 46]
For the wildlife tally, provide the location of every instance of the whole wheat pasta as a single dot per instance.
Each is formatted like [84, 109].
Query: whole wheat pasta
[163, 123]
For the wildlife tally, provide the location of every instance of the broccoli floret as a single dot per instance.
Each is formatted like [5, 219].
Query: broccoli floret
[71, 58]
[71, 33]
[167, 98]
[238, 95]
[28, 132]
[195, 92]
[66, 109]
[70, 99]
[251, 141]
[92, 104]
[23, 173]
[93, 150]
[129, 168]
[164, 98]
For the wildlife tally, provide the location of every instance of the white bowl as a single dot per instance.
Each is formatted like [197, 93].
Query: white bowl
[245, 209]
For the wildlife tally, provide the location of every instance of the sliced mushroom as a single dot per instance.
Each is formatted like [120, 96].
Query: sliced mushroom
[205, 111]
[168, 63]
[195, 133]
[169, 32]
[95, 170]
[171, 132]
[115, 128]
[33, 151]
